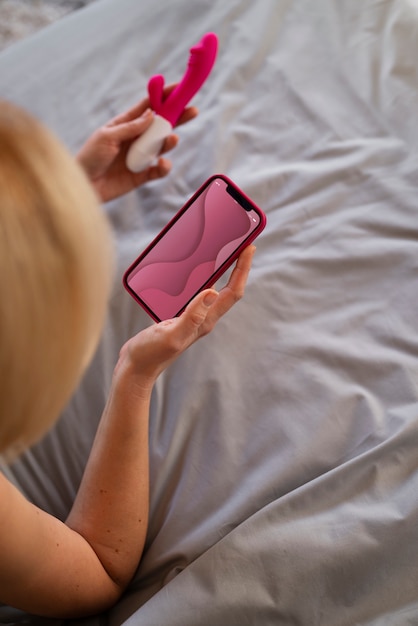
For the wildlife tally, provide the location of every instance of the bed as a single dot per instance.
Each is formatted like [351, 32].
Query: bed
[284, 446]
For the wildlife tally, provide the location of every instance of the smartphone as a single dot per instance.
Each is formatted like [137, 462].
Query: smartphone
[195, 248]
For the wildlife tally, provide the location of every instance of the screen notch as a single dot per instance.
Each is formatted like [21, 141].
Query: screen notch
[246, 204]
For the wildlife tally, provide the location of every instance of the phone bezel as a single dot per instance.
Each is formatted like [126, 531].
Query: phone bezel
[240, 197]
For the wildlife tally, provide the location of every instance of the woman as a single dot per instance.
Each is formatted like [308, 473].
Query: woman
[56, 257]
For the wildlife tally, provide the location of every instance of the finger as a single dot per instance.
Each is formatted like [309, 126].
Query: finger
[187, 328]
[138, 109]
[188, 114]
[130, 130]
[235, 288]
[131, 114]
[239, 276]
[207, 308]
[197, 311]
[159, 170]
[169, 143]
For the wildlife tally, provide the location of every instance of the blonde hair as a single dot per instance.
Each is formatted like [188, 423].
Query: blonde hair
[55, 274]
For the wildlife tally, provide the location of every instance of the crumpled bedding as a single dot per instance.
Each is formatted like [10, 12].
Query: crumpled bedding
[283, 447]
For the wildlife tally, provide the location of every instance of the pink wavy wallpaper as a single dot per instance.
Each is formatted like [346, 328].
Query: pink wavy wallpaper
[196, 246]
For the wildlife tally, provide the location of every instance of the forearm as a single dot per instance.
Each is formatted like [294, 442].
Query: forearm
[111, 507]
[74, 569]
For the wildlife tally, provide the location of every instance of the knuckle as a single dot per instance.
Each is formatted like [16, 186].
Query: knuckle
[197, 318]
[173, 343]
[206, 328]
[237, 295]
[175, 346]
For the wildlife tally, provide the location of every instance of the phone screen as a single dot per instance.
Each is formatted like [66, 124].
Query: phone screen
[195, 248]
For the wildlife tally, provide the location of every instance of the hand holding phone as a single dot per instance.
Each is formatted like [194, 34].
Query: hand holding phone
[154, 348]
[197, 246]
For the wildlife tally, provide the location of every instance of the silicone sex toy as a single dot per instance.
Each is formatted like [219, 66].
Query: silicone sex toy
[167, 111]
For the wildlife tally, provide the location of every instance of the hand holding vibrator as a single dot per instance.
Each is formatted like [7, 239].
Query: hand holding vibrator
[145, 149]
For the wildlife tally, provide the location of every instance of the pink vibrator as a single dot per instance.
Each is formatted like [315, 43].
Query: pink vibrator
[146, 148]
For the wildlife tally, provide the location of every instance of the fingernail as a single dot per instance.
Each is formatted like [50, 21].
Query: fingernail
[210, 298]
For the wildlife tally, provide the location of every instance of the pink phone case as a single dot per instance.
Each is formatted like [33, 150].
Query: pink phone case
[195, 248]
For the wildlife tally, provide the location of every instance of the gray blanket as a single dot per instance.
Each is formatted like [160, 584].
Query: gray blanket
[284, 446]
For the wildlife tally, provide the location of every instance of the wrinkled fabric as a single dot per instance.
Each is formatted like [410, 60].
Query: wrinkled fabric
[284, 446]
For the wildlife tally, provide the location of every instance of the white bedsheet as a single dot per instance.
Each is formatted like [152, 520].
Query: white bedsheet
[284, 446]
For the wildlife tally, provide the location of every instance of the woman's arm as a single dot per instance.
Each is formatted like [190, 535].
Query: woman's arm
[81, 567]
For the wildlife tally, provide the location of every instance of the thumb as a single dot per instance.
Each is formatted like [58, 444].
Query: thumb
[192, 319]
[200, 305]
